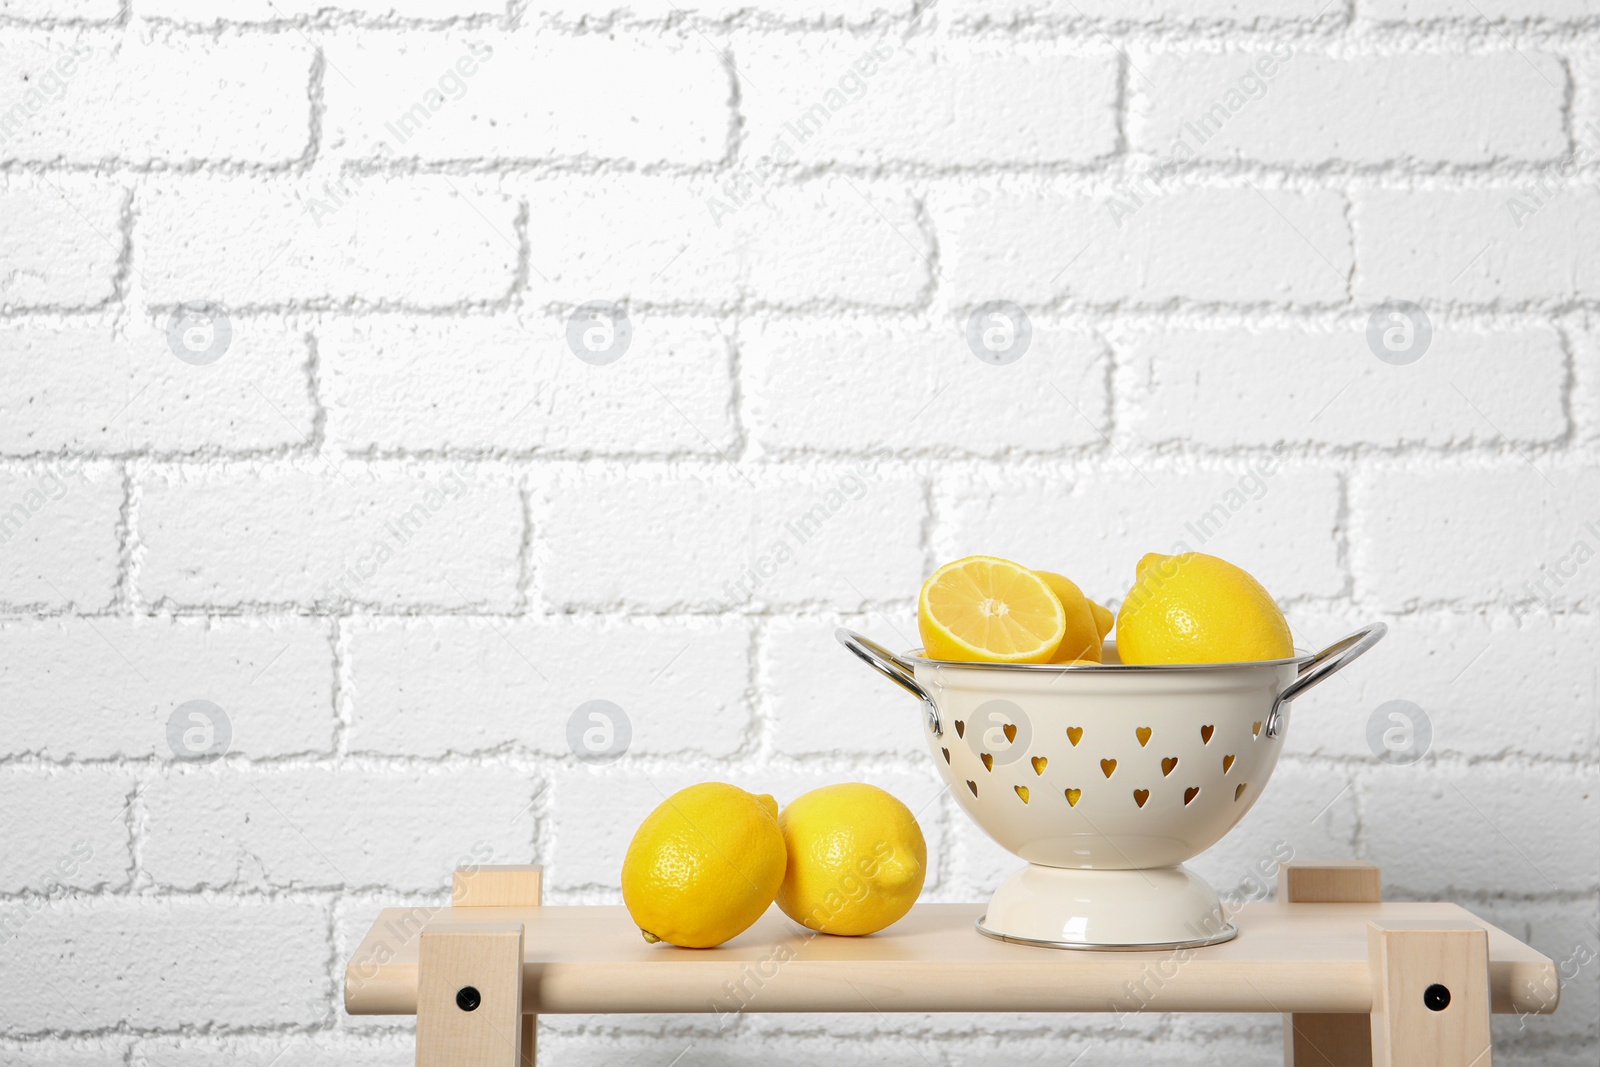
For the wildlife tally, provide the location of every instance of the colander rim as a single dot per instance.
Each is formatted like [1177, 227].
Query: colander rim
[915, 657]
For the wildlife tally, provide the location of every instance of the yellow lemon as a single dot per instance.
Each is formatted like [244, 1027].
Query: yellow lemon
[989, 610]
[704, 865]
[856, 859]
[1082, 639]
[1195, 608]
[1103, 619]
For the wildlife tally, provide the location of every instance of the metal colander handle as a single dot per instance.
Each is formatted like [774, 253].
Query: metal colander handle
[1330, 660]
[893, 668]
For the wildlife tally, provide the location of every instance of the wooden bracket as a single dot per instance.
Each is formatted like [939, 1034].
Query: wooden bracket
[514, 885]
[1430, 993]
[469, 995]
[1322, 1039]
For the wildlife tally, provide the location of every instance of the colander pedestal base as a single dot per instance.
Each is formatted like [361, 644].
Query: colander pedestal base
[1054, 907]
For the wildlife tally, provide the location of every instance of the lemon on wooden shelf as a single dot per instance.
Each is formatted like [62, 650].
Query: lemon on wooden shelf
[857, 859]
[989, 610]
[704, 865]
[1195, 608]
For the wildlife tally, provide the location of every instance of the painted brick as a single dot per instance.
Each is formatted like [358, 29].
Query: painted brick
[1035, 248]
[1477, 10]
[824, 702]
[668, 241]
[261, 963]
[1330, 388]
[58, 529]
[812, 101]
[844, 535]
[432, 687]
[94, 98]
[1280, 521]
[448, 536]
[327, 827]
[245, 241]
[1281, 106]
[1453, 668]
[63, 242]
[82, 386]
[57, 1053]
[265, 1050]
[843, 387]
[1243, 11]
[1508, 244]
[432, 97]
[1523, 530]
[65, 830]
[120, 681]
[849, 11]
[197, 11]
[1415, 818]
[53, 10]
[516, 385]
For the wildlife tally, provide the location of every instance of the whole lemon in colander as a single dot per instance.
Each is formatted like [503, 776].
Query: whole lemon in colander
[1195, 608]
[1087, 622]
[857, 859]
[704, 865]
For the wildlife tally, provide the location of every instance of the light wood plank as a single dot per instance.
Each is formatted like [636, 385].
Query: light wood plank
[504, 886]
[1330, 882]
[486, 960]
[1287, 958]
[500, 886]
[1320, 1039]
[1409, 959]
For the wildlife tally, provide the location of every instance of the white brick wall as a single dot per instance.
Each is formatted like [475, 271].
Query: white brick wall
[398, 533]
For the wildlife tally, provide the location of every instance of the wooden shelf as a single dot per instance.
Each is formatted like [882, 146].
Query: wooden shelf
[1356, 979]
[1287, 958]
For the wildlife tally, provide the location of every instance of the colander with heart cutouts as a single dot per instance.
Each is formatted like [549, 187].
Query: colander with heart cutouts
[1106, 778]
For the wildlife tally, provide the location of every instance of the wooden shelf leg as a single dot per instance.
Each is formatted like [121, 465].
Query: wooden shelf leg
[504, 886]
[469, 995]
[1325, 1039]
[1430, 994]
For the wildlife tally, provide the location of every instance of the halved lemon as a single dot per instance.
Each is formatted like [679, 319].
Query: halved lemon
[989, 610]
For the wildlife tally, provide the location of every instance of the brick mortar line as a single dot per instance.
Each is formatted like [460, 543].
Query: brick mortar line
[1197, 32]
[1065, 177]
[751, 760]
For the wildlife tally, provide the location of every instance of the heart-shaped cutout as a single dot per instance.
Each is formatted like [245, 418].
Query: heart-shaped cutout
[1189, 794]
[961, 728]
[1039, 764]
[1010, 730]
[1108, 766]
[1255, 729]
[1227, 764]
[1022, 791]
[972, 786]
[1140, 796]
[1167, 765]
[1074, 734]
[1205, 734]
[1237, 793]
[946, 752]
[1072, 797]
[1143, 734]
[988, 761]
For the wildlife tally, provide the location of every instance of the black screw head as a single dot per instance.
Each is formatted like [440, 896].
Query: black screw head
[1436, 997]
[468, 998]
